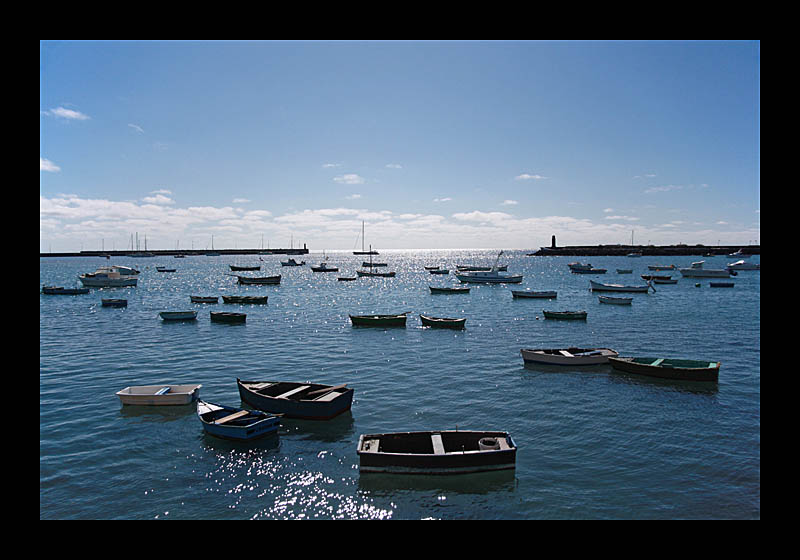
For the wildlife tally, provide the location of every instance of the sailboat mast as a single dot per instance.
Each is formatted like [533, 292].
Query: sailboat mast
[362, 237]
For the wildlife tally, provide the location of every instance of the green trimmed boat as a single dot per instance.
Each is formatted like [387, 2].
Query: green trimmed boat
[442, 322]
[398, 320]
[668, 368]
[574, 315]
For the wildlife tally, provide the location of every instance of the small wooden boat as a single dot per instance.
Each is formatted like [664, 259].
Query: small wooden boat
[310, 401]
[721, 284]
[228, 317]
[110, 302]
[598, 287]
[577, 315]
[346, 278]
[436, 452]
[615, 300]
[668, 368]
[655, 277]
[165, 269]
[661, 267]
[624, 271]
[579, 266]
[431, 267]
[255, 280]
[62, 291]
[568, 356]
[665, 281]
[292, 262]
[204, 299]
[234, 423]
[369, 273]
[372, 264]
[442, 322]
[435, 290]
[379, 320]
[323, 267]
[159, 395]
[440, 271]
[178, 315]
[589, 270]
[235, 268]
[470, 268]
[533, 294]
[245, 299]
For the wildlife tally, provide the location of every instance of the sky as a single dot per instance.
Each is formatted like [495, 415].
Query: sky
[433, 144]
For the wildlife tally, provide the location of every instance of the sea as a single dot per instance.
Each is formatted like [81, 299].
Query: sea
[592, 443]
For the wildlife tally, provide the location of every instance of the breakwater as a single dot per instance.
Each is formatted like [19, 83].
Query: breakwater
[174, 252]
[645, 250]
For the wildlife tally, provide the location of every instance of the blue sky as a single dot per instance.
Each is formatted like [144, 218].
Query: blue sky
[434, 144]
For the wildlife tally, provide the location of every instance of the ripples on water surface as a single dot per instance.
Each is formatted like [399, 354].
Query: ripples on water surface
[592, 443]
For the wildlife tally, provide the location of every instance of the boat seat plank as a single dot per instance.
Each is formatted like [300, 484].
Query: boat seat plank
[162, 391]
[257, 386]
[657, 362]
[438, 445]
[233, 416]
[288, 394]
[565, 353]
[327, 397]
[503, 442]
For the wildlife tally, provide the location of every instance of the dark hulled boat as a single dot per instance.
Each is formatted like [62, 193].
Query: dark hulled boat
[310, 401]
[668, 368]
[436, 452]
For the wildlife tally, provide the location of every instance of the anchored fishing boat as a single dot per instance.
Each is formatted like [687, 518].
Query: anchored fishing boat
[599, 287]
[62, 291]
[227, 317]
[435, 290]
[615, 300]
[398, 320]
[110, 302]
[165, 269]
[668, 368]
[310, 401]
[159, 395]
[490, 277]
[569, 315]
[178, 315]
[568, 356]
[533, 294]
[292, 262]
[259, 280]
[436, 452]
[440, 271]
[234, 423]
[442, 322]
[244, 299]
[235, 268]
[697, 271]
[108, 277]
[204, 299]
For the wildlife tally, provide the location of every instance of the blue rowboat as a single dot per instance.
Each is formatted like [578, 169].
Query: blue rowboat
[310, 401]
[234, 423]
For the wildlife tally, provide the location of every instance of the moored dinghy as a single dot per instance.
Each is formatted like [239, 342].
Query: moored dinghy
[615, 300]
[668, 368]
[110, 302]
[533, 294]
[245, 299]
[178, 315]
[204, 299]
[436, 452]
[577, 315]
[62, 291]
[234, 423]
[159, 395]
[442, 322]
[435, 290]
[310, 401]
[259, 280]
[398, 320]
[227, 317]
[568, 356]
[600, 287]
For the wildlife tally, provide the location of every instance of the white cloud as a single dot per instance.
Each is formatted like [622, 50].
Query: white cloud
[47, 165]
[663, 188]
[158, 199]
[349, 179]
[509, 202]
[528, 177]
[69, 114]
[645, 176]
[328, 165]
[607, 210]
[161, 191]
[241, 200]
[394, 166]
[353, 196]
[136, 127]
[445, 199]
[628, 218]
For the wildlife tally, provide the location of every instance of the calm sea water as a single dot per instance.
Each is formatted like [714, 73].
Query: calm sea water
[592, 443]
